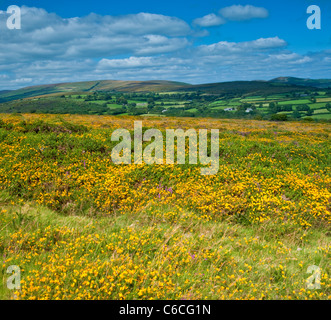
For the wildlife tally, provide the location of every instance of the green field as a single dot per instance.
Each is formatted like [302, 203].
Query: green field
[181, 104]
[303, 101]
[193, 110]
[324, 116]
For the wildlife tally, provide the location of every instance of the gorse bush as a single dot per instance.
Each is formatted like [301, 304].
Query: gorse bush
[59, 162]
[279, 117]
[81, 227]
[40, 126]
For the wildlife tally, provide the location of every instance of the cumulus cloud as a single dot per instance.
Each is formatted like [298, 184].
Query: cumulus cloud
[241, 13]
[143, 46]
[263, 58]
[237, 47]
[210, 20]
[46, 35]
[132, 62]
[36, 19]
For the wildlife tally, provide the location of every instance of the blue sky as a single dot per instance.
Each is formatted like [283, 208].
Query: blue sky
[191, 41]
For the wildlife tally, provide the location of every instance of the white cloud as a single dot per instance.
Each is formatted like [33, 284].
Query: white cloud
[265, 43]
[290, 57]
[144, 46]
[302, 60]
[210, 20]
[156, 44]
[225, 47]
[21, 81]
[240, 13]
[45, 35]
[132, 62]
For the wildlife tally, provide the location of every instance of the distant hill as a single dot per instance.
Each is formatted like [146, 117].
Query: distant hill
[278, 85]
[319, 83]
[4, 91]
[90, 86]
[244, 87]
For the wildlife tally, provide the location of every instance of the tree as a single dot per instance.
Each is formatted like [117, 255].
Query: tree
[121, 100]
[328, 107]
[309, 112]
[287, 107]
[303, 107]
[273, 107]
[150, 106]
[279, 117]
[296, 114]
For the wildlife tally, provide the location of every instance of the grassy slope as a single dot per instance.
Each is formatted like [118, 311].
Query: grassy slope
[245, 262]
[102, 85]
[243, 87]
[318, 83]
[236, 235]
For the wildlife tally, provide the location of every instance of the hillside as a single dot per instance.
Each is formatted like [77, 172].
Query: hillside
[90, 86]
[244, 87]
[275, 86]
[80, 226]
[318, 83]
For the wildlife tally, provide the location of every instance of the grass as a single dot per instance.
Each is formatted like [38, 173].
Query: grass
[322, 116]
[253, 99]
[302, 101]
[234, 103]
[324, 99]
[218, 103]
[99, 101]
[186, 259]
[317, 105]
[318, 111]
[113, 106]
[192, 110]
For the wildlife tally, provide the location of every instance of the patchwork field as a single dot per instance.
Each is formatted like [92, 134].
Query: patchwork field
[307, 104]
[80, 227]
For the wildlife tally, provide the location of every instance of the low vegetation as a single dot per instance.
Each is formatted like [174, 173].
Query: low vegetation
[81, 227]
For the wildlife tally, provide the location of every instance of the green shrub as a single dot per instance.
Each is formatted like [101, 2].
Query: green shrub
[279, 117]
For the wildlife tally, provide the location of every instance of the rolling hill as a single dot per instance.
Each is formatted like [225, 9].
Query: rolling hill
[316, 83]
[244, 87]
[278, 85]
[90, 86]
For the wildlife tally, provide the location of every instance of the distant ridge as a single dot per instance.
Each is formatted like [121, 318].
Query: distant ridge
[277, 85]
[319, 83]
[4, 91]
[90, 86]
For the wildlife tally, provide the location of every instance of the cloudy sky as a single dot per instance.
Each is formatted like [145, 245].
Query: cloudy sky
[190, 41]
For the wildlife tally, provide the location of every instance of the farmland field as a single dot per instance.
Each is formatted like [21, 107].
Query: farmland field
[81, 227]
[303, 101]
[323, 116]
[305, 104]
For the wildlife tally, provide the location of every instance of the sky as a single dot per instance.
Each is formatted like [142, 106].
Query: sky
[184, 40]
